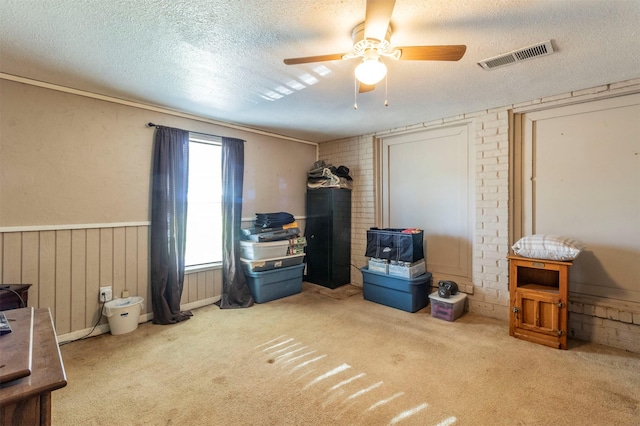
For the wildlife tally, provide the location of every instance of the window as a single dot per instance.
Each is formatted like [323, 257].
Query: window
[204, 214]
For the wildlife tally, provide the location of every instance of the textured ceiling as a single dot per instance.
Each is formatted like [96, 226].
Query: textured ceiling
[222, 59]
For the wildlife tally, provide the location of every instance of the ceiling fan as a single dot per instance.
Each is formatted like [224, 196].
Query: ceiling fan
[371, 44]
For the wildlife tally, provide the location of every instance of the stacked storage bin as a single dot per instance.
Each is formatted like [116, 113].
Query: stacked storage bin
[396, 275]
[448, 309]
[273, 269]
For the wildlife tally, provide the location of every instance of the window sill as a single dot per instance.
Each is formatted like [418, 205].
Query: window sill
[203, 267]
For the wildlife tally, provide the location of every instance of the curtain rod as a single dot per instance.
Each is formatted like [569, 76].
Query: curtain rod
[150, 124]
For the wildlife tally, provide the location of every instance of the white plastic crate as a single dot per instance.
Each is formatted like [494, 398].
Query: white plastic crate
[259, 265]
[407, 270]
[379, 265]
[254, 250]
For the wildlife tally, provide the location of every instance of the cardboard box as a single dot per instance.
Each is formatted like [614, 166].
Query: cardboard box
[407, 294]
[448, 309]
[296, 249]
[298, 241]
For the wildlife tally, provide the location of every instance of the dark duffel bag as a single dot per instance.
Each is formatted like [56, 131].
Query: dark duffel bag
[393, 244]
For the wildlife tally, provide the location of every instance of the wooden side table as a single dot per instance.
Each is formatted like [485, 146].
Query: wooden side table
[538, 292]
[27, 400]
[9, 296]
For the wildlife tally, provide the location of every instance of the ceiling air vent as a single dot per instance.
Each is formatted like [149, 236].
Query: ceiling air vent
[541, 49]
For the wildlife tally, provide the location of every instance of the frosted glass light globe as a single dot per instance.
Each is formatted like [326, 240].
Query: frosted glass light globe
[370, 71]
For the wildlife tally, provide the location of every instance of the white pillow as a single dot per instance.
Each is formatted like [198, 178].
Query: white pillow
[550, 247]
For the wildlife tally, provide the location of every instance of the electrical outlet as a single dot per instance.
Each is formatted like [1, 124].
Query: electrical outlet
[106, 294]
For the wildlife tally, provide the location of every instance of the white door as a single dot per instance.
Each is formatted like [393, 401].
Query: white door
[581, 179]
[427, 183]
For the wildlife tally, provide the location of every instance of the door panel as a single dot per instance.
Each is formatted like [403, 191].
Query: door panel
[427, 183]
[538, 312]
[581, 179]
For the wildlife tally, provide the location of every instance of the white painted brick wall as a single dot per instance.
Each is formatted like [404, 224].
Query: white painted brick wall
[597, 321]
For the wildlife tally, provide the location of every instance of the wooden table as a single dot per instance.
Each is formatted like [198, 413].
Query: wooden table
[27, 401]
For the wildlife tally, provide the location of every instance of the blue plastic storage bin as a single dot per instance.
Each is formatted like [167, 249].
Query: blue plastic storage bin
[275, 284]
[407, 294]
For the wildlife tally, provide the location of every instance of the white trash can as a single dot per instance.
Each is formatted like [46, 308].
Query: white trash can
[123, 314]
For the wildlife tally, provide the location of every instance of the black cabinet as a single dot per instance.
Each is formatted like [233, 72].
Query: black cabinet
[328, 232]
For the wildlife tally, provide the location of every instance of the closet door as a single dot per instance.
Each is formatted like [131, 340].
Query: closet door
[318, 232]
[427, 183]
[581, 178]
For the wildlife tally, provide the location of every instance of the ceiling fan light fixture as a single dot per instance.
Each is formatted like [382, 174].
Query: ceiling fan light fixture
[372, 42]
[370, 71]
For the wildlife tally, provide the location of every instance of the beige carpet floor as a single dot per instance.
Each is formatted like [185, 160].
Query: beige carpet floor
[328, 357]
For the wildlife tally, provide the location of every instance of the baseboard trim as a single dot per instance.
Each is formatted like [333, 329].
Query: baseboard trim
[104, 328]
[200, 303]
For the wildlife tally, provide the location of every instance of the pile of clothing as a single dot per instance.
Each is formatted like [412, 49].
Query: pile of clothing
[273, 220]
[276, 226]
[325, 175]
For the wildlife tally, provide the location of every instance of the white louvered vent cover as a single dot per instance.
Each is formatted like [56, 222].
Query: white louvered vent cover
[541, 49]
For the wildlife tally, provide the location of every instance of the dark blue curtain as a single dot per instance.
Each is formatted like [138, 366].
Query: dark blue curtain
[168, 223]
[235, 292]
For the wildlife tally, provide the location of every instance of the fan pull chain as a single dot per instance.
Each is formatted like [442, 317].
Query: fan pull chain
[355, 93]
[386, 79]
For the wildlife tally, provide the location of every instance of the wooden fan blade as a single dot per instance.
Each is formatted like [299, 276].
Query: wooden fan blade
[319, 58]
[432, 53]
[363, 88]
[377, 18]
